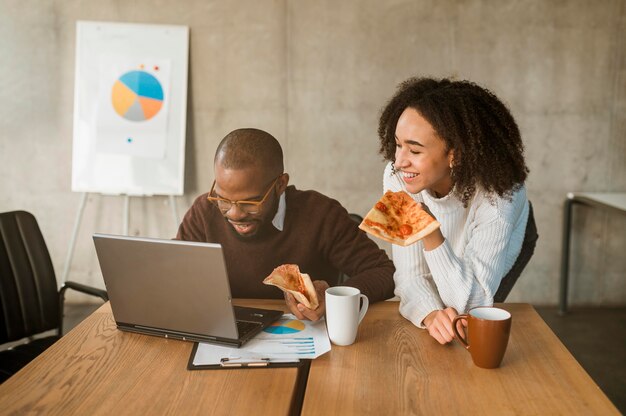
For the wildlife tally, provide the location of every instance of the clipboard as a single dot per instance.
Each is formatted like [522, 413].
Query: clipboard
[288, 343]
[247, 363]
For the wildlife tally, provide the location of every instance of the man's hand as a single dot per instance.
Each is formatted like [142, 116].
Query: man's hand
[301, 311]
[439, 324]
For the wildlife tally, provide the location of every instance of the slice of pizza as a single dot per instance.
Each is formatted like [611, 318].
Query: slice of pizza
[398, 219]
[289, 279]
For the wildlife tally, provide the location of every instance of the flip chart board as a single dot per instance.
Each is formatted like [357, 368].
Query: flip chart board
[130, 103]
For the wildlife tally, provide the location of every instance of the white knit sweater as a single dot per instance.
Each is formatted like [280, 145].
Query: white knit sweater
[481, 244]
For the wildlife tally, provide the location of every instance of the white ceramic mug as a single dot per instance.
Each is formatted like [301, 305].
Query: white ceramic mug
[342, 313]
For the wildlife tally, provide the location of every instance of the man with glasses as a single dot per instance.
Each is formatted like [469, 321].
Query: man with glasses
[261, 223]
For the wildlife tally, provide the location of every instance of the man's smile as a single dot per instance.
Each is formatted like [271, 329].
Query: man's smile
[243, 228]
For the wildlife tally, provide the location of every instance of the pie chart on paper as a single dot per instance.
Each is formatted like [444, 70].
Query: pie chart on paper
[137, 96]
[285, 327]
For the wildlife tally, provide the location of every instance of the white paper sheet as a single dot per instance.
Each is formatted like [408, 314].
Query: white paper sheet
[133, 133]
[287, 340]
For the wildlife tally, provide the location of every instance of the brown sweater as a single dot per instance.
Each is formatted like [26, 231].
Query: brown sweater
[318, 236]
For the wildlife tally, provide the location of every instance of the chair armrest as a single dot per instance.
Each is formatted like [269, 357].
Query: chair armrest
[102, 294]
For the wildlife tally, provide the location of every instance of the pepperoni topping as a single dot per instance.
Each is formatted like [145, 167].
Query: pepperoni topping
[405, 230]
[381, 207]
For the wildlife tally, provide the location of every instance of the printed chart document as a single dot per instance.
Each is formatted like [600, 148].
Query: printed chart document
[286, 340]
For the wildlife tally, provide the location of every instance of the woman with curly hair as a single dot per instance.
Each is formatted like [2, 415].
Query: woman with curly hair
[455, 148]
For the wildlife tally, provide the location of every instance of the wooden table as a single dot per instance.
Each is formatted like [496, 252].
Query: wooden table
[393, 368]
[97, 369]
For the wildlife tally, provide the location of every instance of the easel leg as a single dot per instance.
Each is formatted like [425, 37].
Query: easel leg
[126, 214]
[174, 211]
[70, 250]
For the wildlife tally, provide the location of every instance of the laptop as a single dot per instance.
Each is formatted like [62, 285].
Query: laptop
[175, 289]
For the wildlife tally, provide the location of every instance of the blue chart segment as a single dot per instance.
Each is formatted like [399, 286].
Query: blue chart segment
[143, 84]
[288, 327]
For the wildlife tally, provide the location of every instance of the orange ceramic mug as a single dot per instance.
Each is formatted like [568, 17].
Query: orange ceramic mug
[488, 331]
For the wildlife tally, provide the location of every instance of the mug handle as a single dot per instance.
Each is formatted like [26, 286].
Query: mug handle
[456, 332]
[364, 307]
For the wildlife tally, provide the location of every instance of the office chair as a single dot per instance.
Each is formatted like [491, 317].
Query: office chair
[528, 248]
[29, 301]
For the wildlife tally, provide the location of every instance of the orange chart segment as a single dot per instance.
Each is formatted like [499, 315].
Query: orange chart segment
[123, 97]
[150, 106]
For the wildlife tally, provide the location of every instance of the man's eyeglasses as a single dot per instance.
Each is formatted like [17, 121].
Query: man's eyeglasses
[249, 207]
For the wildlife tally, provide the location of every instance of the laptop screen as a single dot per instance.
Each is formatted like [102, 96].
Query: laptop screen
[174, 286]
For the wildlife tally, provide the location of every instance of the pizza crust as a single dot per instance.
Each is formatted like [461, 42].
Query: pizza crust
[279, 278]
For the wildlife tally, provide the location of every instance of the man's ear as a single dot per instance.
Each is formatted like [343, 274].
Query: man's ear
[282, 183]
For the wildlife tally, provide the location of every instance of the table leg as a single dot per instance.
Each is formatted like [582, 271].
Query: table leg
[567, 222]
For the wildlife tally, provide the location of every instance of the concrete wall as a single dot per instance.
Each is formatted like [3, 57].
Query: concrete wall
[315, 74]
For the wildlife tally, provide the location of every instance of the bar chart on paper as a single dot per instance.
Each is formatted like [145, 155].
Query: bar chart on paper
[291, 338]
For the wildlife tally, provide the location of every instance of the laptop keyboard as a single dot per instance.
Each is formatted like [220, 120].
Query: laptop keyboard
[243, 327]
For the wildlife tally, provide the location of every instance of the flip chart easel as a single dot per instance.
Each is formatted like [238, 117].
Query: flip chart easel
[126, 225]
[130, 106]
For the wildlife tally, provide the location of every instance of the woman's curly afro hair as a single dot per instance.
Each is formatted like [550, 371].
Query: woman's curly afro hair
[473, 122]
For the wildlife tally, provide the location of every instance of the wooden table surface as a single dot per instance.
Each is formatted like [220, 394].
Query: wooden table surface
[395, 368]
[97, 369]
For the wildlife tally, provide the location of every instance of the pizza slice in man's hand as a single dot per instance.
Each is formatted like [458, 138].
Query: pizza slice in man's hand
[289, 279]
[398, 219]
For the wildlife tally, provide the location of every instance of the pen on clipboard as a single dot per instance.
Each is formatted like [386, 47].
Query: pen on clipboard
[244, 362]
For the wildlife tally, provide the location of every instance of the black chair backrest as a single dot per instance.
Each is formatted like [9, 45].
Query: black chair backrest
[528, 248]
[356, 217]
[29, 301]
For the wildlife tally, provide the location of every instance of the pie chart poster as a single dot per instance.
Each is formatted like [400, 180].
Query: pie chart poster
[132, 110]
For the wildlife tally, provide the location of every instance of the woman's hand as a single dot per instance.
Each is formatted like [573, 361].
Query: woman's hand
[301, 311]
[439, 324]
[434, 239]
